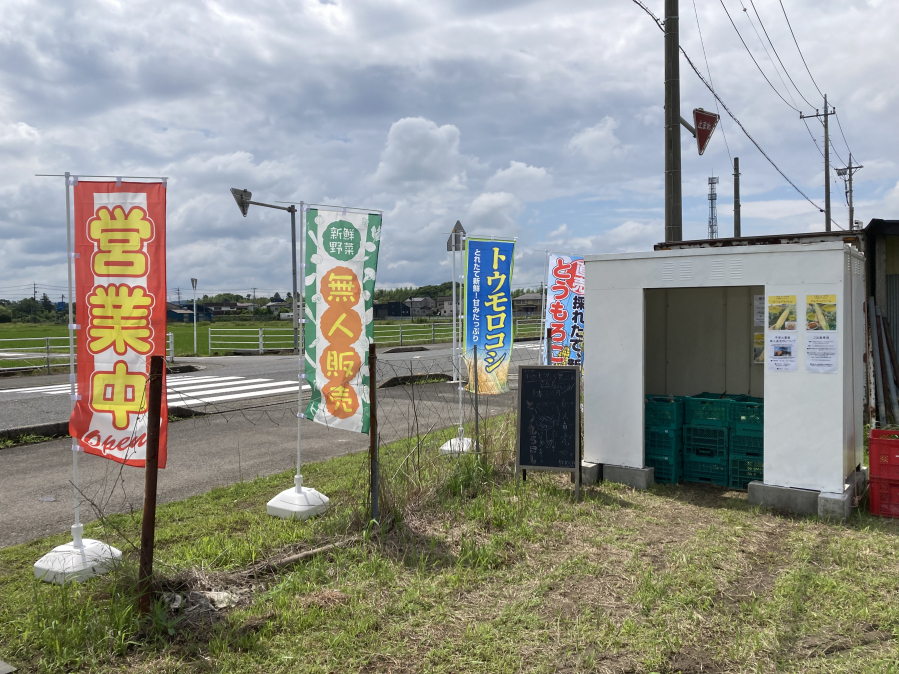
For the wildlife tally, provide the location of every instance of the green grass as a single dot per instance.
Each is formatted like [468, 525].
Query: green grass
[474, 573]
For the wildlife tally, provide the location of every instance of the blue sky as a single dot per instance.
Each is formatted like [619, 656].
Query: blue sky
[541, 120]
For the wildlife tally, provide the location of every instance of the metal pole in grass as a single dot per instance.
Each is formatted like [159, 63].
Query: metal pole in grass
[373, 428]
[151, 473]
[82, 558]
[193, 282]
[477, 435]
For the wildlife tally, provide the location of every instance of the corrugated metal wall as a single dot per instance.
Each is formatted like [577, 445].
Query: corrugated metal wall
[892, 308]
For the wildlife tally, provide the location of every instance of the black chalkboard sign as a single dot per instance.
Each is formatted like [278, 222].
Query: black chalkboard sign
[549, 419]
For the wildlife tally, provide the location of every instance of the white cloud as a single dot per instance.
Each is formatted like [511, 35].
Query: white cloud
[418, 151]
[528, 183]
[494, 213]
[598, 143]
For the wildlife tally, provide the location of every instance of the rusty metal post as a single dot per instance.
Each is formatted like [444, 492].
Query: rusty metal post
[151, 472]
[373, 427]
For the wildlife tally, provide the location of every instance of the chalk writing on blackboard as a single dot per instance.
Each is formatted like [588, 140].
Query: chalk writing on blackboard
[549, 417]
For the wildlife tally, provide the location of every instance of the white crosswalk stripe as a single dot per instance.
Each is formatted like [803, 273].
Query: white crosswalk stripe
[188, 391]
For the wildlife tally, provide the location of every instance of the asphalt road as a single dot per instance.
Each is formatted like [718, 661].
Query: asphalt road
[235, 439]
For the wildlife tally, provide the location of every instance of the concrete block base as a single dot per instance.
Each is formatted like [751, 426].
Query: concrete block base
[835, 506]
[799, 501]
[638, 478]
[590, 473]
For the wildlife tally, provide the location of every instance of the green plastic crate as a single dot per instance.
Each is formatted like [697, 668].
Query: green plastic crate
[743, 471]
[664, 412]
[665, 453]
[709, 409]
[706, 442]
[706, 472]
[747, 446]
[747, 417]
[668, 469]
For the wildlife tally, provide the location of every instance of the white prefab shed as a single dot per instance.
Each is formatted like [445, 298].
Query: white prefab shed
[680, 322]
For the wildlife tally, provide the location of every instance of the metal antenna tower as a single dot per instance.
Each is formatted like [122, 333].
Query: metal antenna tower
[713, 207]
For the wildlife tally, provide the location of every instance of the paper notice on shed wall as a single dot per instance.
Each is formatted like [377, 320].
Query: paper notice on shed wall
[781, 312]
[758, 348]
[821, 354]
[821, 312]
[782, 352]
[758, 311]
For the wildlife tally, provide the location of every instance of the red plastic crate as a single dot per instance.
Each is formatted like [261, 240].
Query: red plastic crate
[883, 497]
[883, 453]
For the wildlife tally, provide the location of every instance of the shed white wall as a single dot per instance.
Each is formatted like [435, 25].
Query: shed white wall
[813, 422]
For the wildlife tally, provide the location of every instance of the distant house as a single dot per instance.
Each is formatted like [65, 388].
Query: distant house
[528, 305]
[180, 314]
[398, 310]
[221, 308]
[445, 304]
[276, 307]
[379, 310]
[421, 306]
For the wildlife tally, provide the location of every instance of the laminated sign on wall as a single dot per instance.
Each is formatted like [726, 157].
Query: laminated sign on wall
[565, 310]
[821, 354]
[341, 268]
[121, 313]
[488, 313]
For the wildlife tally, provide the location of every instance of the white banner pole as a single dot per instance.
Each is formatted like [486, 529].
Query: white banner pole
[298, 321]
[543, 298]
[77, 528]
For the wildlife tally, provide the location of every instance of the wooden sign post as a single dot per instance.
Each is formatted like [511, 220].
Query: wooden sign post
[148, 523]
[549, 423]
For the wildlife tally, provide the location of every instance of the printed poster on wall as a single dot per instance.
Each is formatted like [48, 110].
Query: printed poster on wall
[758, 311]
[565, 310]
[488, 313]
[821, 312]
[782, 352]
[341, 268]
[781, 312]
[120, 295]
[821, 352]
[758, 348]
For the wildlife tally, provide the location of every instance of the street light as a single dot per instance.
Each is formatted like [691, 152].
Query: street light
[300, 502]
[193, 282]
[243, 197]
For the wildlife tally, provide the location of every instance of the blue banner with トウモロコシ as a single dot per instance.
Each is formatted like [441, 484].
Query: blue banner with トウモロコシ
[488, 313]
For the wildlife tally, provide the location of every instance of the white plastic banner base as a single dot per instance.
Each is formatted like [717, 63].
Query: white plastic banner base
[298, 503]
[71, 563]
[456, 446]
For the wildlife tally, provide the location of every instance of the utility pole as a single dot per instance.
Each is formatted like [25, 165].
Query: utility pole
[846, 174]
[827, 113]
[673, 212]
[178, 290]
[737, 232]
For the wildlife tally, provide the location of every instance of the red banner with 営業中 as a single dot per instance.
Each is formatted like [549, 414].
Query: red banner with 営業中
[120, 316]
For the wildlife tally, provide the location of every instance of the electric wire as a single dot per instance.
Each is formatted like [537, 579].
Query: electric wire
[709, 70]
[743, 129]
[751, 2]
[797, 47]
[646, 9]
[773, 88]
[767, 53]
[841, 131]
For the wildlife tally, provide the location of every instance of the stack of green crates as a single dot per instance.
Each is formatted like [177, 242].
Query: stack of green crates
[747, 460]
[707, 420]
[664, 437]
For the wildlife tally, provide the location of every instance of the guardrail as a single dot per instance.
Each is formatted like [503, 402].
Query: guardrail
[418, 333]
[255, 340]
[42, 353]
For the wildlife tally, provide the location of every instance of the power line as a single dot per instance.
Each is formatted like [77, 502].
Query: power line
[654, 17]
[797, 47]
[773, 88]
[743, 129]
[709, 70]
[767, 53]
[841, 130]
[777, 55]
